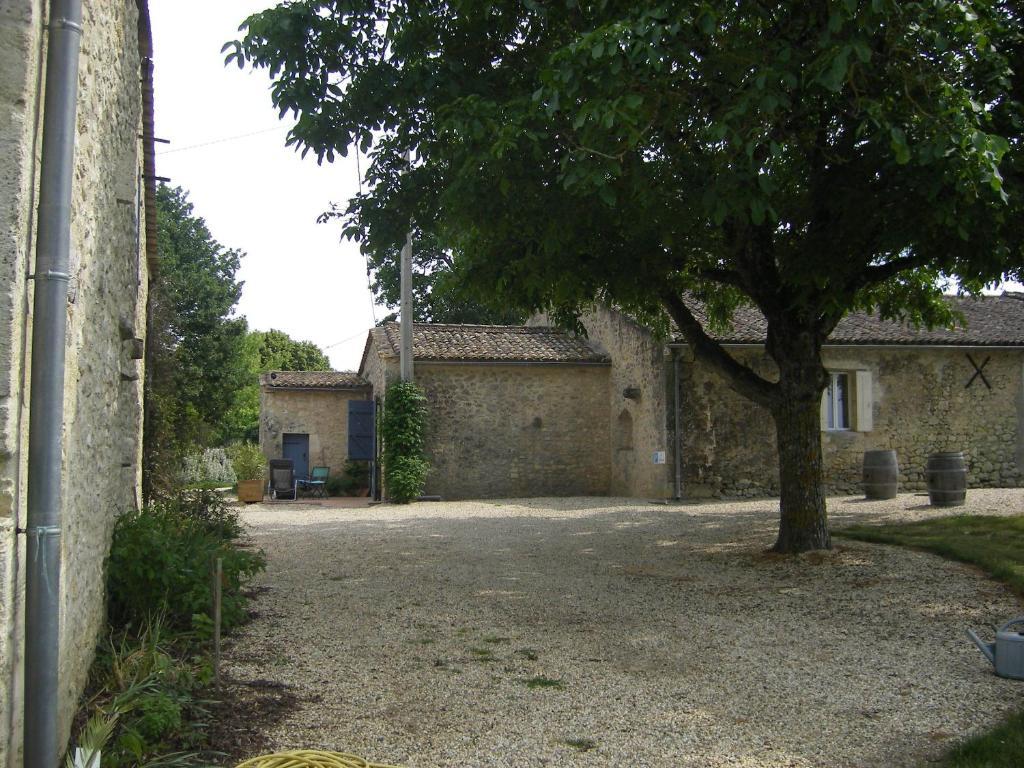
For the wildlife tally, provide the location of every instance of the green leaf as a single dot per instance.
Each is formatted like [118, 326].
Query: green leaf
[757, 210]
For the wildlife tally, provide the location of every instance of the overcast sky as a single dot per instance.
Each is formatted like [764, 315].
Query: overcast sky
[254, 193]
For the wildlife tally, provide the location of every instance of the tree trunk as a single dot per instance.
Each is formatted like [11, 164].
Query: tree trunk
[794, 343]
[803, 523]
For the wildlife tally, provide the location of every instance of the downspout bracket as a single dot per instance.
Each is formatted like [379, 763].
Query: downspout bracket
[51, 275]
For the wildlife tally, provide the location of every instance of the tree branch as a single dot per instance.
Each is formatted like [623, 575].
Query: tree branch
[740, 377]
[721, 275]
[879, 273]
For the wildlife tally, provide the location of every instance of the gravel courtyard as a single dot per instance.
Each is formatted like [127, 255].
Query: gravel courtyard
[612, 632]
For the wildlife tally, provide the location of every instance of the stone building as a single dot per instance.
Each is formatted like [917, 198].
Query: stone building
[532, 411]
[304, 416]
[513, 411]
[112, 246]
[917, 391]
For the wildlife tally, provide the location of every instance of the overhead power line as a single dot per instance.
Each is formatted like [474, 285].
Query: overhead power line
[338, 343]
[223, 140]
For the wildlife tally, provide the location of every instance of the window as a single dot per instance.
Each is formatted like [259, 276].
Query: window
[848, 402]
[837, 401]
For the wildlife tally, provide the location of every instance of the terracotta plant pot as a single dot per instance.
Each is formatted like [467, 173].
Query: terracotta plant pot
[250, 491]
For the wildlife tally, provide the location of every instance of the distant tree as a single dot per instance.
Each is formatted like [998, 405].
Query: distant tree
[266, 351]
[806, 158]
[195, 361]
[277, 351]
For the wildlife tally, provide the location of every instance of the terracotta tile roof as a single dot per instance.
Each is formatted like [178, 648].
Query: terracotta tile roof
[990, 321]
[439, 342]
[313, 380]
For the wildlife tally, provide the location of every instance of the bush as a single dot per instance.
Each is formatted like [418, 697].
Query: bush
[205, 509]
[356, 475]
[146, 689]
[248, 461]
[402, 427]
[336, 485]
[145, 704]
[210, 465]
[161, 559]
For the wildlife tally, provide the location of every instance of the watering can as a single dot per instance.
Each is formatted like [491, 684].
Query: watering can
[1007, 652]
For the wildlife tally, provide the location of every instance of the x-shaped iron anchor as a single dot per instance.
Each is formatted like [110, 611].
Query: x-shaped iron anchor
[978, 371]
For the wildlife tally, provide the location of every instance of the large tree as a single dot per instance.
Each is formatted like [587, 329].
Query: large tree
[195, 355]
[265, 351]
[806, 158]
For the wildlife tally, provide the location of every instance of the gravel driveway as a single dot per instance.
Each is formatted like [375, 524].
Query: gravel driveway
[612, 632]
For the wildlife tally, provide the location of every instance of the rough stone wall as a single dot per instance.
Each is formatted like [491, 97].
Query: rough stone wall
[103, 386]
[516, 430]
[638, 425]
[728, 445]
[379, 368]
[921, 405]
[322, 414]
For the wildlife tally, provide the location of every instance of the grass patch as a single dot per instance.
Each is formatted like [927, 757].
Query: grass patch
[482, 654]
[544, 682]
[583, 745]
[1001, 748]
[494, 639]
[528, 653]
[996, 545]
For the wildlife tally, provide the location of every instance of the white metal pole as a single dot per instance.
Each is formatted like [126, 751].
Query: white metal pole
[405, 356]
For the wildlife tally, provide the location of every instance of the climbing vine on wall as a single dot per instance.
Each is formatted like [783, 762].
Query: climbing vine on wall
[402, 426]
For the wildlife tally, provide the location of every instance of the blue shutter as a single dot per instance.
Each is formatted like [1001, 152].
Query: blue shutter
[360, 430]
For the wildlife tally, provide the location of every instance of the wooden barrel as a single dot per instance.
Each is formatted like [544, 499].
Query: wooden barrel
[881, 475]
[947, 479]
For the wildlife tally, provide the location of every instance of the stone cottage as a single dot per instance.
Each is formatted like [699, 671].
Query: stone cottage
[112, 245]
[532, 411]
[304, 416]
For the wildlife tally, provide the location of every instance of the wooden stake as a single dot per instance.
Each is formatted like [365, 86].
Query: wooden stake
[218, 572]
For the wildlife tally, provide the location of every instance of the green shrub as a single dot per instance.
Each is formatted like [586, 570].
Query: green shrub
[145, 687]
[248, 461]
[161, 558]
[356, 475]
[205, 509]
[402, 428]
[336, 485]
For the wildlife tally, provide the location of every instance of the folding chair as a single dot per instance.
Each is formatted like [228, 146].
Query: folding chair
[282, 479]
[317, 482]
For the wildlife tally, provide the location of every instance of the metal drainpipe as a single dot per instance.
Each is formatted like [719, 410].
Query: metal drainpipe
[678, 438]
[46, 406]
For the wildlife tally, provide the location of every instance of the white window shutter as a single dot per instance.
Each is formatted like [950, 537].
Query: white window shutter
[863, 403]
[824, 409]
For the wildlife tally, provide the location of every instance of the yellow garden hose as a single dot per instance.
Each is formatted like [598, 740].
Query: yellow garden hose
[310, 758]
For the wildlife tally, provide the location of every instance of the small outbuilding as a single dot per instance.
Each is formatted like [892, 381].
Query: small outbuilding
[513, 410]
[304, 416]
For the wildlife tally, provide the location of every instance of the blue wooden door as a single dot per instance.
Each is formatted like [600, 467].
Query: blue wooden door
[360, 430]
[296, 448]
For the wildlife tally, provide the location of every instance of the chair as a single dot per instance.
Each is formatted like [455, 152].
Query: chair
[317, 482]
[316, 485]
[282, 479]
